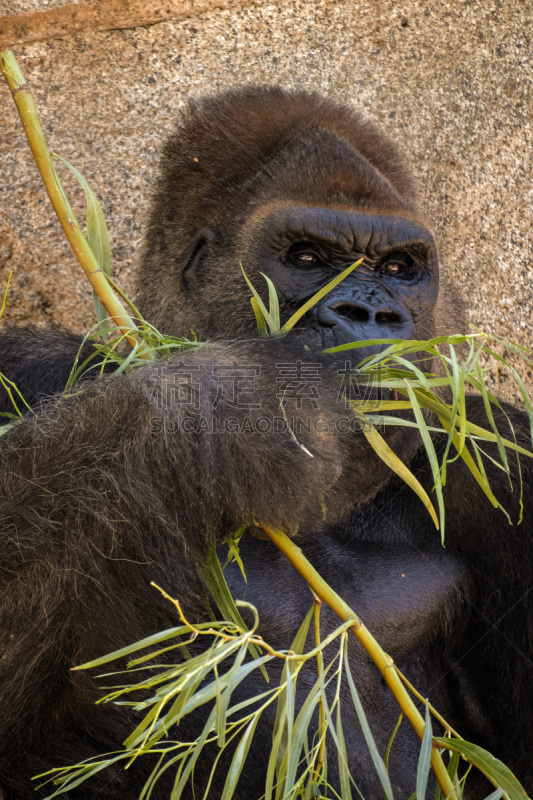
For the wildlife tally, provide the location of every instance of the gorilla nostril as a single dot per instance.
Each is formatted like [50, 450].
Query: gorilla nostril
[353, 313]
[388, 318]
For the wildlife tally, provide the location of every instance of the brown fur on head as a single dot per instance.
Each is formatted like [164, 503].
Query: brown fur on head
[236, 156]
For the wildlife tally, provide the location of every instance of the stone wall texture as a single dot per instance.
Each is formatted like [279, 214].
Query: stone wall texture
[451, 81]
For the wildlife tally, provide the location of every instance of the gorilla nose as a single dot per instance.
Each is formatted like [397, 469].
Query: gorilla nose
[358, 313]
[355, 320]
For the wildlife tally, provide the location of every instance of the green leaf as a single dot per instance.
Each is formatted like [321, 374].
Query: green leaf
[224, 699]
[132, 648]
[430, 452]
[199, 744]
[453, 766]
[216, 583]
[299, 736]
[424, 759]
[391, 740]
[346, 791]
[363, 343]
[3, 306]
[270, 322]
[497, 773]
[273, 301]
[239, 758]
[380, 446]
[488, 410]
[259, 317]
[431, 402]
[495, 795]
[97, 235]
[402, 345]
[379, 764]
[300, 639]
[279, 733]
[469, 461]
[232, 540]
[317, 297]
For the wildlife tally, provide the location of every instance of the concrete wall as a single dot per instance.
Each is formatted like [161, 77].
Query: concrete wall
[451, 81]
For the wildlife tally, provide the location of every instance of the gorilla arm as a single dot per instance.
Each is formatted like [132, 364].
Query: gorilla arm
[102, 493]
[38, 362]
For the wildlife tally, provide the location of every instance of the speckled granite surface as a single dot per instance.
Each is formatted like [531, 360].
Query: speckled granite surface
[451, 81]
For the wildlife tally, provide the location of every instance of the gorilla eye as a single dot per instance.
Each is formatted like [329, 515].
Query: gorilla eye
[304, 255]
[401, 265]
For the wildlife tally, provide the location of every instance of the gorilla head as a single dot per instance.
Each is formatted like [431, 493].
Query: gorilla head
[298, 188]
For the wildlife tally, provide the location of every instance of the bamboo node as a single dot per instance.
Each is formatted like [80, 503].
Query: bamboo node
[23, 88]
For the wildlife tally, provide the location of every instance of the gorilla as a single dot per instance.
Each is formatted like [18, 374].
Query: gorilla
[128, 479]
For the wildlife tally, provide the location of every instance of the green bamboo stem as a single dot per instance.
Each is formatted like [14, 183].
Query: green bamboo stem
[321, 710]
[384, 662]
[432, 709]
[43, 159]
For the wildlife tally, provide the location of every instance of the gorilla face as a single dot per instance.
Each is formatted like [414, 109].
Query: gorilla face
[302, 249]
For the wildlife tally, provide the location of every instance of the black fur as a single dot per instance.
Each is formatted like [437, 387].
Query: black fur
[123, 483]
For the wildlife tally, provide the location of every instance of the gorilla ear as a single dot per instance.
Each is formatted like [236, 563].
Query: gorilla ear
[196, 254]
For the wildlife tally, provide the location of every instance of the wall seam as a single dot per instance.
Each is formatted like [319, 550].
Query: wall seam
[101, 15]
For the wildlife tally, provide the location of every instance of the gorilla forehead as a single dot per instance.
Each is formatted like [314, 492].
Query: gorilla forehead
[342, 231]
[319, 167]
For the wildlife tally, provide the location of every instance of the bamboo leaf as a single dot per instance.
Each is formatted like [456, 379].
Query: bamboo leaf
[453, 765]
[178, 790]
[299, 735]
[363, 343]
[440, 409]
[279, 733]
[273, 301]
[170, 633]
[239, 758]
[497, 773]
[488, 401]
[454, 382]
[495, 795]
[259, 317]
[275, 755]
[469, 461]
[380, 446]
[346, 791]
[97, 235]
[424, 759]
[217, 585]
[223, 701]
[381, 769]
[266, 315]
[391, 740]
[430, 452]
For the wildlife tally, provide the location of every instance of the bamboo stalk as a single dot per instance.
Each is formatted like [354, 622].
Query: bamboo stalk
[43, 159]
[321, 710]
[384, 662]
